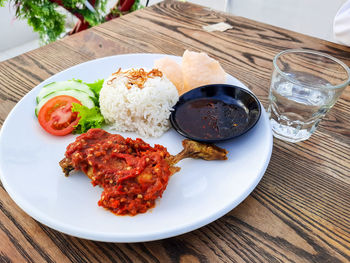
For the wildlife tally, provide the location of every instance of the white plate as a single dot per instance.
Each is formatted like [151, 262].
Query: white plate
[200, 193]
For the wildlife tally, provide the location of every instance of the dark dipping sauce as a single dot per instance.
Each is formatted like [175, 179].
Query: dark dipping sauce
[211, 119]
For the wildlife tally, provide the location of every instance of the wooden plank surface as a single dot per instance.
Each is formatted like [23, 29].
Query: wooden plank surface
[300, 210]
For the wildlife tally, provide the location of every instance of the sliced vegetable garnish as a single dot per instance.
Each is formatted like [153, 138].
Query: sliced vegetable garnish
[81, 96]
[56, 116]
[76, 85]
[62, 118]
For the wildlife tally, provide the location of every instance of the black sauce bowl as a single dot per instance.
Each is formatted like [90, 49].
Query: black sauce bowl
[214, 113]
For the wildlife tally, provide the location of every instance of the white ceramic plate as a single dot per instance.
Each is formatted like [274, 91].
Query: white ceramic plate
[200, 193]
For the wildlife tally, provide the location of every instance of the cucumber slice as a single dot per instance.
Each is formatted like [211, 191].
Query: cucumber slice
[64, 85]
[82, 96]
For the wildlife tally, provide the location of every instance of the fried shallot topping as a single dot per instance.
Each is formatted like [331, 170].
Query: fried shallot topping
[136, 76]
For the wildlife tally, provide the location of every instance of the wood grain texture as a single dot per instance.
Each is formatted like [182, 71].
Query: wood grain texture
[300, 210]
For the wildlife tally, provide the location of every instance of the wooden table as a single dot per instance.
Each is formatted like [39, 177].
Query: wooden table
[300, 210]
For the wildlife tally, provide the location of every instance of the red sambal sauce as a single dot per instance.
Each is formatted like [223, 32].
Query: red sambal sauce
[132, 173]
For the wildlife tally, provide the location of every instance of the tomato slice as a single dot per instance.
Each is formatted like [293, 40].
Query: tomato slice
[56, 116]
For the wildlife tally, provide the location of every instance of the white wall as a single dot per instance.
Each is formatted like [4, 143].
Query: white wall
[14, 32]
[310, 17]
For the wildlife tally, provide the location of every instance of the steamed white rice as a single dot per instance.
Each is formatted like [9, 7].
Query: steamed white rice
[144, 110]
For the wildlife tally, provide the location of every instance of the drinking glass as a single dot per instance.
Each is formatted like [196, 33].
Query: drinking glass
[305, 84]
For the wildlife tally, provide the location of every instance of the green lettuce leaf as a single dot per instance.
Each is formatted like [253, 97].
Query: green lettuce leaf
[89, 118]
[96, 87]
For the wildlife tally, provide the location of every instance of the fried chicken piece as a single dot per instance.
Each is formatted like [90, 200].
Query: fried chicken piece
[132, 173]
[197, 150]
